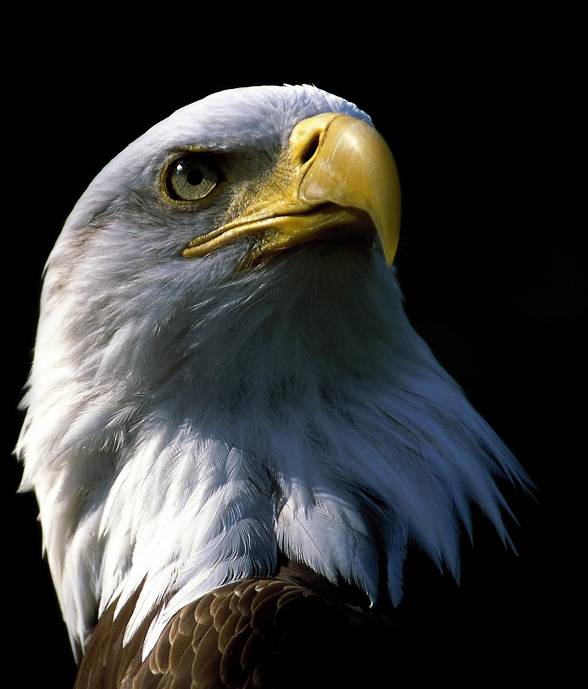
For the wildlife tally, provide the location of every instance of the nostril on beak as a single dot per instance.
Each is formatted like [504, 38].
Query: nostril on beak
[310, 148]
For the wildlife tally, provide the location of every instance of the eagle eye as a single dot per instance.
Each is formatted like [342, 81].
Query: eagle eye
[191, 177]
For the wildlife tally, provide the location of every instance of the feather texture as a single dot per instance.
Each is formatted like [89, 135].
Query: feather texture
[187, 423]
[293, 630]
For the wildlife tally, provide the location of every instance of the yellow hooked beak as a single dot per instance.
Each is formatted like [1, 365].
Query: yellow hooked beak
[337, 180]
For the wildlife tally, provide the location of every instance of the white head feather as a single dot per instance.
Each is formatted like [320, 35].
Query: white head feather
[185, 424]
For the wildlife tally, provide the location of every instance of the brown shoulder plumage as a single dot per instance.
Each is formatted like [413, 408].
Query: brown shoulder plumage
[293, 630]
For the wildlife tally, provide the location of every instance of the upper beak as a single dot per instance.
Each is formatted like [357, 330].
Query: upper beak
[340, 180]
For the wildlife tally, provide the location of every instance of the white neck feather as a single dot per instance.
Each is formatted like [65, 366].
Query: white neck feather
[289, 412]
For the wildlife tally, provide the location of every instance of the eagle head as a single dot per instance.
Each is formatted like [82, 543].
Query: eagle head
[224, 373]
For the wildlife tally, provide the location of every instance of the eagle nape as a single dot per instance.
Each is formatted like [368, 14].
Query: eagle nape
[234, 433]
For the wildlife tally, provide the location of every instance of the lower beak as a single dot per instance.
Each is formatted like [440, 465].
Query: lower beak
[341, 182]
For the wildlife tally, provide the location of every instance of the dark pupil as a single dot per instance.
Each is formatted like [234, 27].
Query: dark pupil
[195, 176]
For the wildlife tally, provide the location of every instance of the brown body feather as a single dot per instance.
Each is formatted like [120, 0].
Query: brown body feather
[293, 630]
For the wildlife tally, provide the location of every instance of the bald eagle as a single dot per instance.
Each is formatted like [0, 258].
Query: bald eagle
[233, 432]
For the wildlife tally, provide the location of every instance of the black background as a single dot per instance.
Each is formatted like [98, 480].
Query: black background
[489, 263]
